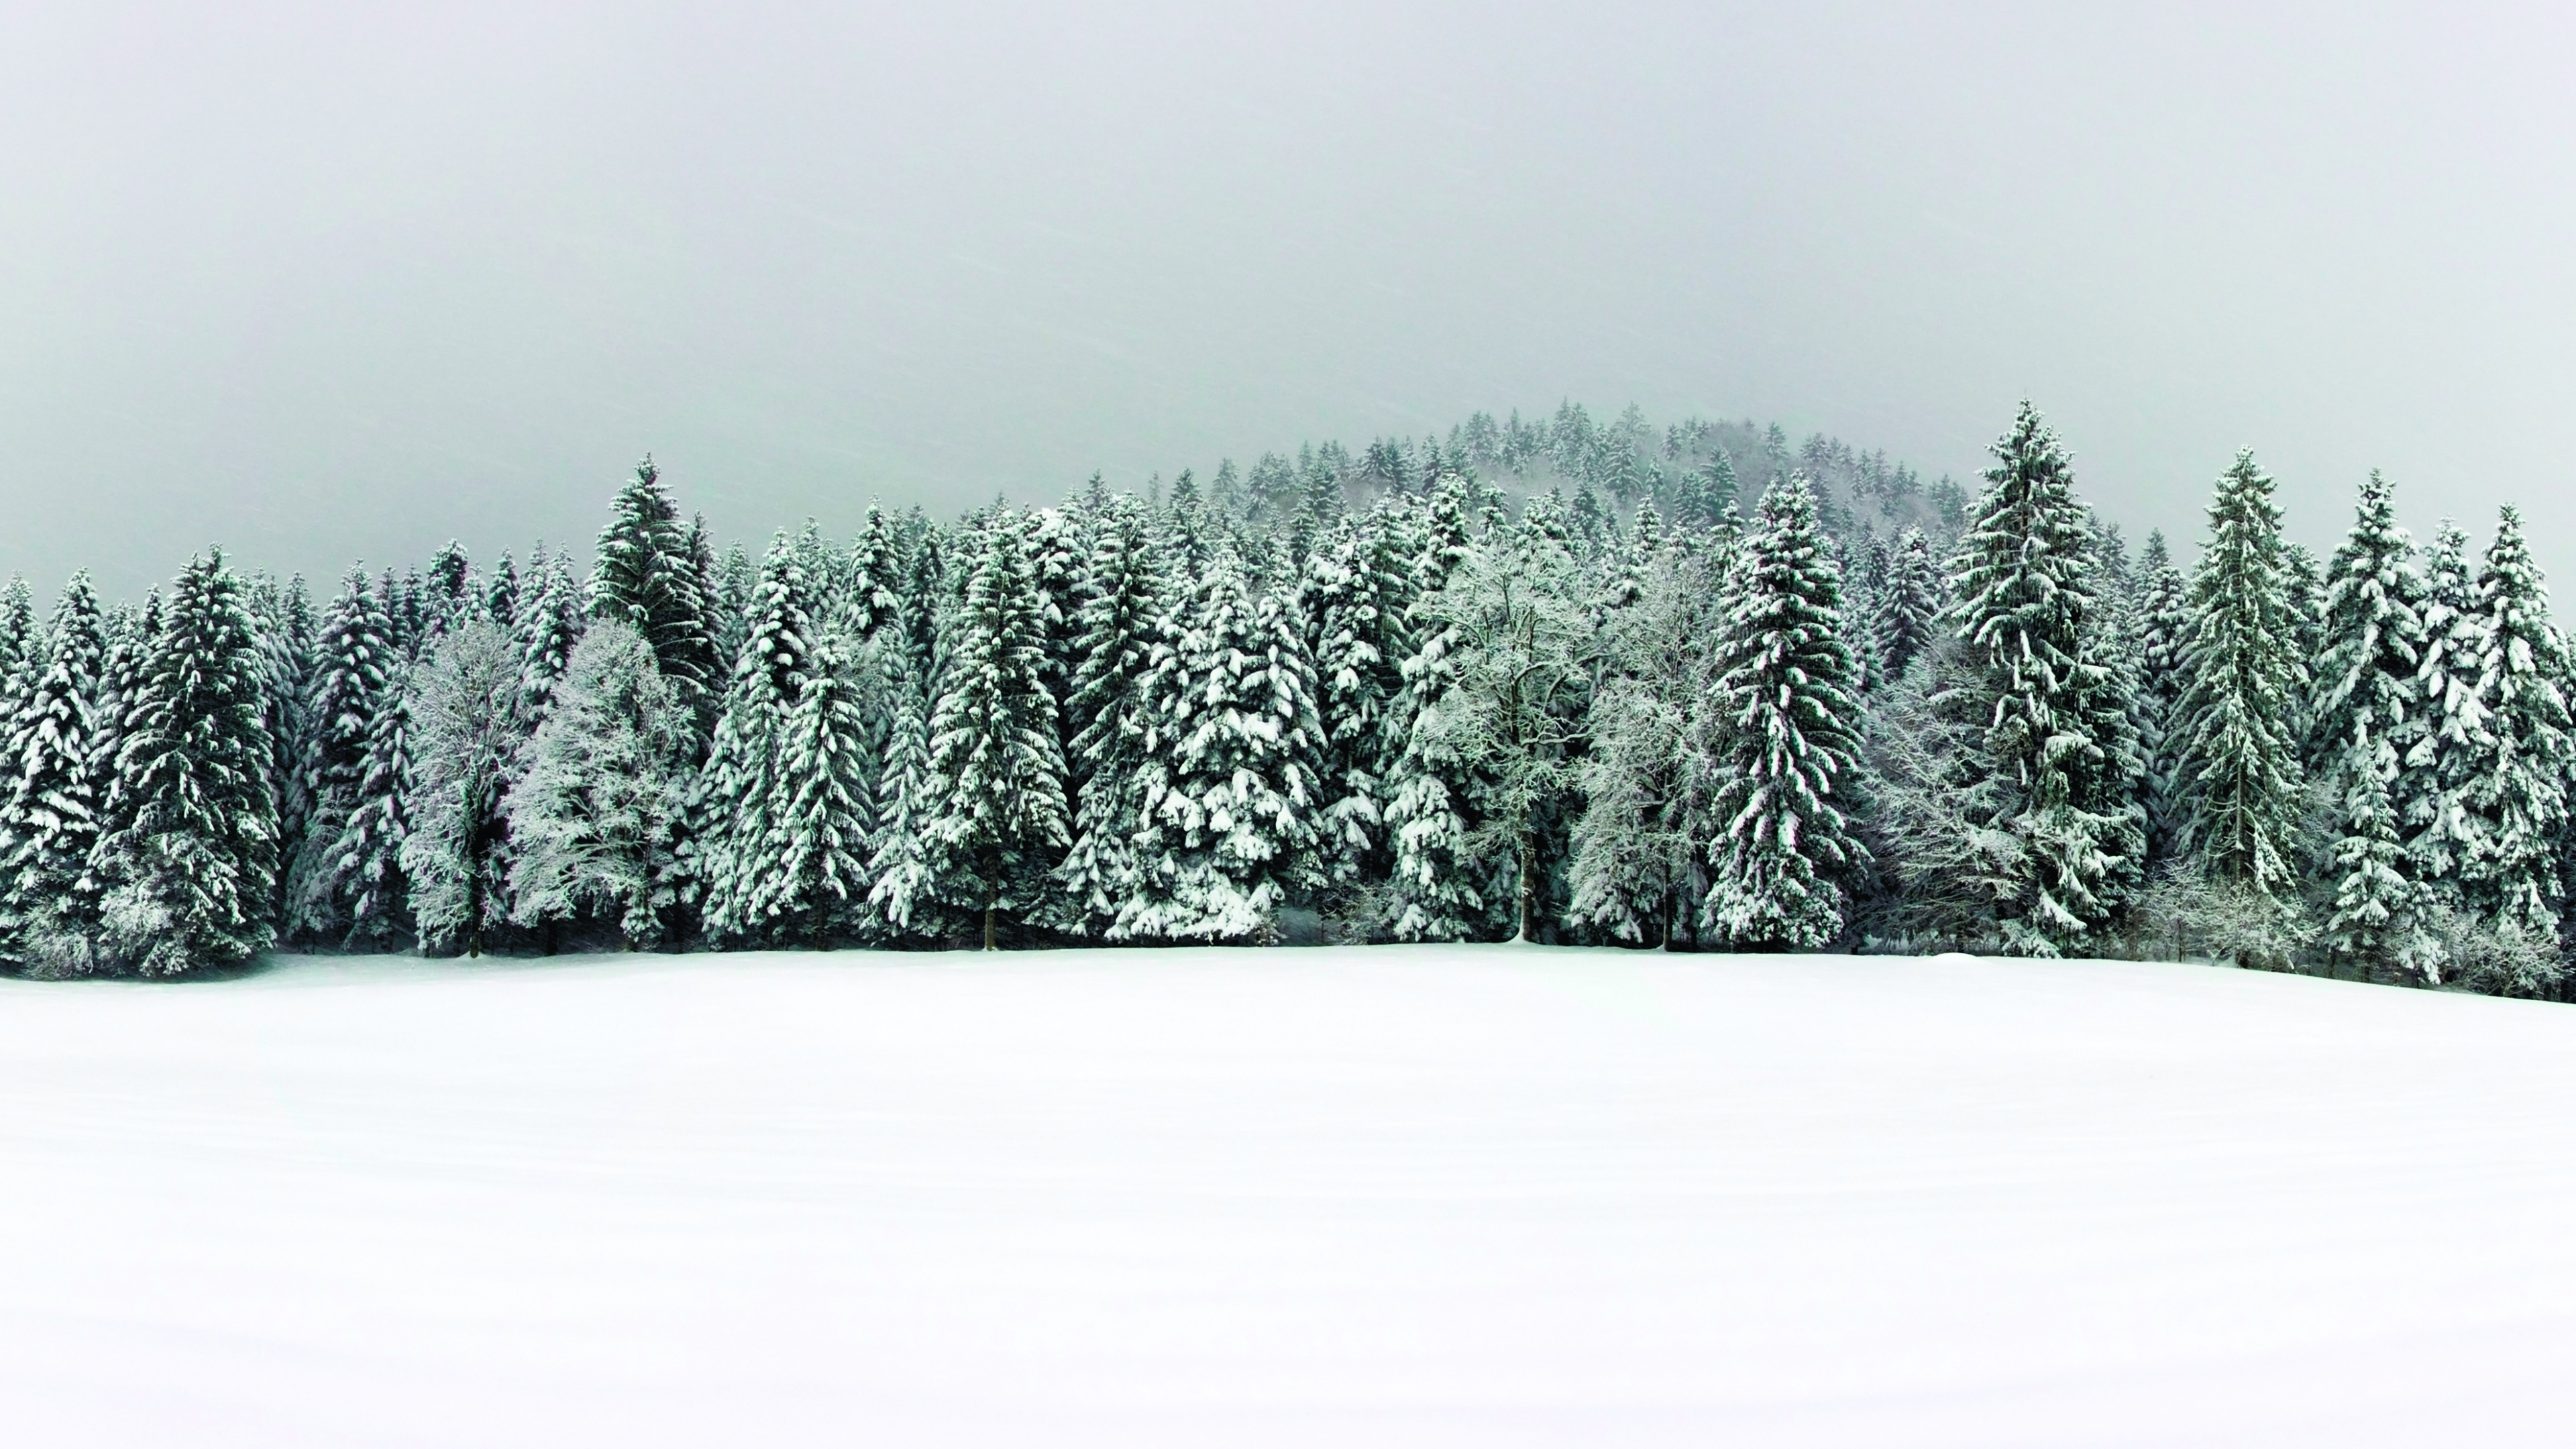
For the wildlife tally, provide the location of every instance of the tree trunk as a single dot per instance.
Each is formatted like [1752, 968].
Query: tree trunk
[988, 926]
[1528, 886]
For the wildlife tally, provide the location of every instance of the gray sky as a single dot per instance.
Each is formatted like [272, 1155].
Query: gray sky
[321, 281]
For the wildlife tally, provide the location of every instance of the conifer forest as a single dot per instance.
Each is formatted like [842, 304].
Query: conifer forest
[1570, 681]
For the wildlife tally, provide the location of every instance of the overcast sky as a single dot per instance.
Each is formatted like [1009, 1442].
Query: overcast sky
[321, 281]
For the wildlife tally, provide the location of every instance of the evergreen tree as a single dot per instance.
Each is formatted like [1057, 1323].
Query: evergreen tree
[56, 779]
[2378, 910]
[501, 593]
[993, 742]
[594, 820]
[355, 659]
[367, 878]
[743, 783]
[2517, 788]
[1789, 732]
[1357, 596]
[902, 897]
[2162, 619]
[651, 576]
[547, 631]
[464, 714]
[2239, 710]
[1111, 709]
[1908, 607]
[189, 876]
[825, 814]
[1227, 831]
[2445, 757]
[2022, 583]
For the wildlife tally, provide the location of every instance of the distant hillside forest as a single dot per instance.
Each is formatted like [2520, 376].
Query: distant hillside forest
[1570, 681]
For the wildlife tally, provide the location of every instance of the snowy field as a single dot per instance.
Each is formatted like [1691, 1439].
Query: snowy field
[1472, 1196]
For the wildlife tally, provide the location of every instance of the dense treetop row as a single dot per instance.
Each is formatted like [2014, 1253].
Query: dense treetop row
[1569, 681]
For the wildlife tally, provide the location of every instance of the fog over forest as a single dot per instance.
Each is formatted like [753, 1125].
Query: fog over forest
[323, 285]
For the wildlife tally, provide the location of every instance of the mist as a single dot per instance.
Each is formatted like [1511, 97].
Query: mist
[322, 284]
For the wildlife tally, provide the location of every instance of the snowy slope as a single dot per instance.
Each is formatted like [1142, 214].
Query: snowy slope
[1471, 1196]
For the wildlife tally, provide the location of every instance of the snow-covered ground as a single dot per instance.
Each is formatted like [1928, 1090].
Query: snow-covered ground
[1474, 1196]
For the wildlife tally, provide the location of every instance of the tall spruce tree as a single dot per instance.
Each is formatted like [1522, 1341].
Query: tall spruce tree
[993, 743]
[1789, 731]
[2433, 789]
[2162, 619]
[903, 877]
[2240, 705]
[825, 814]
[2516, 789]
[2366, 717]
[2023, 603]
[56, 781]
[1356, 596]
[1111, 706]
[650, 576]
[1227, 831]
[744, 781]
[355, 661]
[1908, 609]
[190, 874]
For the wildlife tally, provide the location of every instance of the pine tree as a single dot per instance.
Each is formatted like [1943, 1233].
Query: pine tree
[594, 819]
[1789, 732]
[1357, 596]
[355, 659]
[743, 781]
[1110, 707]
[902, 897]
[2162, 619]
[366, 869]
[57, 778]
[993, 742]
[2378, 909]
[501, 593]
[650, 576]
[2433, 787]
[2022, 585]
[464, 714]
[287, 639]
[547, 631]
[2517, 789]
[1227, 831]
[189, 876]
[1909, 607]
[2239, 710]
[825, 814]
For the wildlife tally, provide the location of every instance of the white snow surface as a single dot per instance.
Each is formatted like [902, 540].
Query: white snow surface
[1420, 1196]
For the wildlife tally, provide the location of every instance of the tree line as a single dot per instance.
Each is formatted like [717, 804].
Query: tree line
[1678, 691]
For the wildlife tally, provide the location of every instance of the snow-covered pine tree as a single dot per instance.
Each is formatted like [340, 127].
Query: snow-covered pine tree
[903, 890]
[190, 875]
[2243, 680]
[1909, 606]
[354, 659]
[1357, 597]
[548, 629]
[825, 812]
[501, 593]
[2022, 591]
[2366, 717]
[872, 582]
[2432, 789]
[1788, 727]
[131, 636]
[367, 881]
[1228, 826]
[993, 743]
[2516, 789]
[2162, 618]
[2379, 914]
[56, 781]
[465, 742]
[741, 786]
[286, 638]
[1111, 709]
[448, 593]
[649, 575]
[595, 817]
